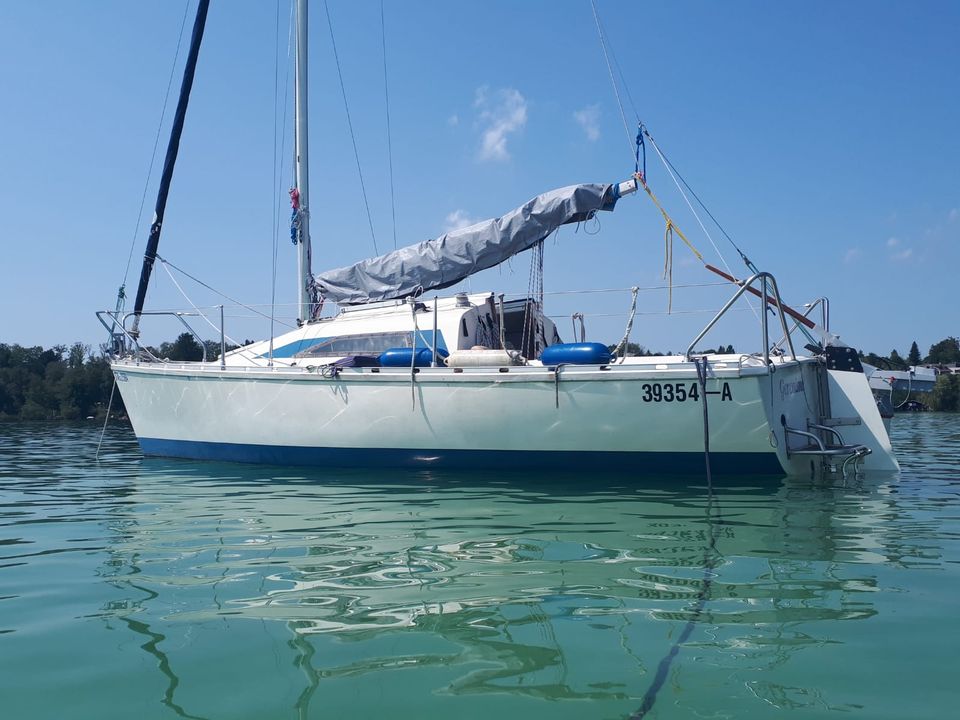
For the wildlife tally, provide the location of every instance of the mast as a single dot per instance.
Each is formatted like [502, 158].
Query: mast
[173, 146]
[302, 187]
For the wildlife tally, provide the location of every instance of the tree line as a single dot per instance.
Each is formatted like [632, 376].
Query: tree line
[945, 353]
[74, 383]
[636, 350]
[60, 383]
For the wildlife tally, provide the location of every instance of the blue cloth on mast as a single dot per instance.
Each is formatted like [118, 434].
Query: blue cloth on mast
[295, 226]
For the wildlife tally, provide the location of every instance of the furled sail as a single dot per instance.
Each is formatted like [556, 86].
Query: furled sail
[448, 259]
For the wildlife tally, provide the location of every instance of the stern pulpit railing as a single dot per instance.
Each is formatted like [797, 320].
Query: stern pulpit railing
[769, 293]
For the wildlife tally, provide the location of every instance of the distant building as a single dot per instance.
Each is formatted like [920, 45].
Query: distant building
[916, 379]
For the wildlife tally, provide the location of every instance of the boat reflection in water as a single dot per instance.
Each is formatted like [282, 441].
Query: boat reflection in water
[462, 594]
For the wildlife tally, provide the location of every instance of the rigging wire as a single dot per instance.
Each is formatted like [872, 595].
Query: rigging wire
[278, 155]
[197, 280]
[611, 60]
[156, 143]
[626, 87]
[671, 227]
[669, 167]
[386, 96]
[533, 305]
[652, 313]
[273, 204]
[594, 291]
[187, 298]
[700, 202]
[612, 63]
[608, 53]
[252, 358]
[671, 170]
[353, 137]
[616, 90]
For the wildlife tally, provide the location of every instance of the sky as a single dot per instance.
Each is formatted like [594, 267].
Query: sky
[823, 136]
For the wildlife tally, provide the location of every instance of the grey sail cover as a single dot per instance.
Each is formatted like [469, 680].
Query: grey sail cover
[448, 259]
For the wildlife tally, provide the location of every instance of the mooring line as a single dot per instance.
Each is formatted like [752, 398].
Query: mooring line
[709, 556]
[107, 418]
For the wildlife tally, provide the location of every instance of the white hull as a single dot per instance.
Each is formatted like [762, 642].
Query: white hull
[645, 416]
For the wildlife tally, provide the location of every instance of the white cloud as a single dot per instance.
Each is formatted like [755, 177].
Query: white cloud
[453, 120]
[458, 219]
[953, 214]
[500, 115]
[852, 255]
[589, 120]
[897, 252]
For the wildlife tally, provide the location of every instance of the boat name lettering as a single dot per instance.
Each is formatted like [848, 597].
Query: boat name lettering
[680, 392]
[790, 388]
[121, 377]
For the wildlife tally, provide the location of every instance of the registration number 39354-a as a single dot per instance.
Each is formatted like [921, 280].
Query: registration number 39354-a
[680, 392]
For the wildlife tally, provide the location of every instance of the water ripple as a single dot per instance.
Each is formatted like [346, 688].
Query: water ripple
[433, 588]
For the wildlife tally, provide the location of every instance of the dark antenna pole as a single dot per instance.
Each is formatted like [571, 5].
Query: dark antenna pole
[172, 148]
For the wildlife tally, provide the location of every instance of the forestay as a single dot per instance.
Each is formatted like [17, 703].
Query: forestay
[448, 259]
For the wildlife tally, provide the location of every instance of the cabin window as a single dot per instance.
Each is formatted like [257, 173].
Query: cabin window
[367, 344]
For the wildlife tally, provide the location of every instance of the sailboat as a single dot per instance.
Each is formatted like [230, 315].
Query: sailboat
[400, 379]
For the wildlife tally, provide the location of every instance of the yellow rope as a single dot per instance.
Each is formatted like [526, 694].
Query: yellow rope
[669, 221]
[668, 262]
[669, 230]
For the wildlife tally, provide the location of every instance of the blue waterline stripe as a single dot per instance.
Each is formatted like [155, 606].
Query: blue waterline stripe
[642, 463]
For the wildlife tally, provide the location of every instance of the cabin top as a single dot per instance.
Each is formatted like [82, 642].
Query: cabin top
[462, 321]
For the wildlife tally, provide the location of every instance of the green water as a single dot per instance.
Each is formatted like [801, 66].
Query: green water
[135, 588]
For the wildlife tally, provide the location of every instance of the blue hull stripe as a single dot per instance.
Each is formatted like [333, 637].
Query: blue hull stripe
[643, 463]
